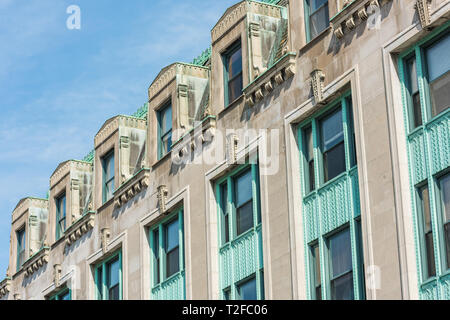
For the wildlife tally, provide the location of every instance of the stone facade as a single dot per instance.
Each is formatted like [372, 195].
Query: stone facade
[286, 82]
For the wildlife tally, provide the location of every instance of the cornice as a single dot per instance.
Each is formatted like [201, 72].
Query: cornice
[169, 73]
[27, 203]
[5, 287]
[35, 262]
[80, 228]
[113, 124]
[66, 167]
[132, 187]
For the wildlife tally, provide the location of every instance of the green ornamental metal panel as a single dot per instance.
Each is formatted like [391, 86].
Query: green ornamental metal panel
[428, 148]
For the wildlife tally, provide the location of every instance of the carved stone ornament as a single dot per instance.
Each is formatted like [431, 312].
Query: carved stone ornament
[423, 11]
[338, 32]
[317, 79]
[232, 146]
[57, 275]
[162, 198]
[105, 236]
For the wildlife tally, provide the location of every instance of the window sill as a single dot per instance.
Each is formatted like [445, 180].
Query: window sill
[231, 106]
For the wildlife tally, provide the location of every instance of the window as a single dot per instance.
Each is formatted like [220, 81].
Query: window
[427, 80]
[341, 270]
[108, 278]
[166, 242]
[427, 232]
[332, 145]
[20, 234]
[60, 216]
[247, 290]
[438, 72]
[165, 130]
[336, 151]
[108, 176]
[316, 17]
[62, 295]
[239, 215]
[316, 274]
[233, 72]
[444, 190]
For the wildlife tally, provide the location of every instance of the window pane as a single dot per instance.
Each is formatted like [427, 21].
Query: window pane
[427, 232]
[334, 162]
[235, 88]
[316, 4]
[440, 96]
[317, 275]
[65, 296]
[156, 253]
[243, 187]
[227, 294]
[167, 124]
[244, 217]
[319, 21]
[341, 253]
[100, 283]
[173, 262]
[247, 290]
[172, 238]
[332, 130]
[309, 154]
[224, 208]
[113, 273]
[444, 186]
[436, 61]
[342, 287]
[235, 63]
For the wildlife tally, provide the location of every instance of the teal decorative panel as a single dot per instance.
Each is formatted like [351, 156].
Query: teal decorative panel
[312, 218]
[417, 150]
[172, 289]
[244, 256]
[445, 287]
[225, 260]
[335, 204]
[439, 136]
[430, 291]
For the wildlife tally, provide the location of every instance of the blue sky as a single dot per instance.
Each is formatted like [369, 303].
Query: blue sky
[58, 86]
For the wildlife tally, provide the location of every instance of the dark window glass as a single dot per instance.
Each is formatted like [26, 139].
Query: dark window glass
[353, 157]
[113, 274]
[309, 155]
[316, 269]
[361, 256]
[60, 216]
[225, 213]
[427, 232]
[172, 249]
[65, 295]
[332, 143]
[438, 66]
[244, 202]
[100, 283]
[247, 290]
[444, 186]
[157, 259]
[318, 17]
[20, 247]
[233, 60]
[165, 130]
[227, 294]
[341, 266]
[413, 88]
[108, 176]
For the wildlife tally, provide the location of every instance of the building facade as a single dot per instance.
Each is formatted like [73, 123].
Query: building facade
[305, 155]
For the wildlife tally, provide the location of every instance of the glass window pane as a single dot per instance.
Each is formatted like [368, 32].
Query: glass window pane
[167, 119]
[440, 97]
[342, 287]
[319, 21]
[172, 238]
[444, 186]
[156, 253]
[317, 287]
[235, 63]
[316, 4]
[65, 296]
[113, 274]
[332, 130]
[227, 294]
[100, 283]
[244, 218]
[247, 290]
[235, 88]
[341, 253]
[435, 58]
[224, 208]
[243, 187]
[173, 262]
[334, 162]
[427, 232]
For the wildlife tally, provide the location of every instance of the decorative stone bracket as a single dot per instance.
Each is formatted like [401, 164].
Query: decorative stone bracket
[353, 14]
[80, 228]
[162, 198]
[317, 79]
[57, 275]
[262, 86]
[132, 187]
[232, 147]
[105, 236]
[37, 261]
[423, 11]
[5, 287]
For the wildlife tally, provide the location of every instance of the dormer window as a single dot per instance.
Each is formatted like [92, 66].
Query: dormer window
[108, 176]
[233, 72]
[316, 17]
[165, 130]
[20, 247]
[60, 216]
